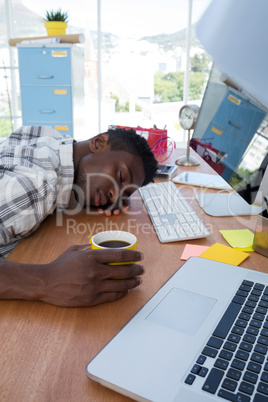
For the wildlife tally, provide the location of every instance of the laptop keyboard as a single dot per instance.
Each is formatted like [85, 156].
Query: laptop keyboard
[234, 362]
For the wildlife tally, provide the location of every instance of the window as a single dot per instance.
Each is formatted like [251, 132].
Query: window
[133, 73]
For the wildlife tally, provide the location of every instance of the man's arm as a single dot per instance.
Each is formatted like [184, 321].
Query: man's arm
[77, 278]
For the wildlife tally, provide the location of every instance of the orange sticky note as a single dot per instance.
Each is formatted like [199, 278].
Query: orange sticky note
[221, 253]
[191, 250]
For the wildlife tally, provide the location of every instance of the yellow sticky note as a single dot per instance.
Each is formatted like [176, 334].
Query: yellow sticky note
[221, 253]
[192, 250]
[241, 239]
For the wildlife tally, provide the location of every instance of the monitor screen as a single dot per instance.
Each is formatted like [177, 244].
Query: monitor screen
[231, 135]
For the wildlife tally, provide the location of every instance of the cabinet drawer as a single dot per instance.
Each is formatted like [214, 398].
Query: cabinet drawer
[227, 142]
[46, 103]
[62, 127]
[45, 66]
[238, 117]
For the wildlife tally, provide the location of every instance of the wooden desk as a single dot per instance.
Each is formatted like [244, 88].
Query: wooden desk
[44, 349]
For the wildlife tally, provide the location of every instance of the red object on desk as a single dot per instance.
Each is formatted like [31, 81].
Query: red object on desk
[156, 138]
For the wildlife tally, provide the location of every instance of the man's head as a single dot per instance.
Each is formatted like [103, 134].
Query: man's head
[129, 141]
[115, 165]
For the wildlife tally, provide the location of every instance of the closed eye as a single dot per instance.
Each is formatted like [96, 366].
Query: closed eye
[122, 176]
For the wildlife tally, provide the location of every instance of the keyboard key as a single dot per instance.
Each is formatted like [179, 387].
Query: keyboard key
[261, 310]
[213, 380]
[241, 354]
[264, 332]
[250, 303]
[196, 368]
[227, 320]
[250, 377]
[234, 374]
[238, 364]
[252, 331]
[233, 397]
[264, 377]
[244, 316]
[253, 298]
[255, 367]
[263, 340]
[261, 349]
[203, 372]
[248, 310]
[263, 304]
[215, 342]
[246, 388]
[238, 299]
[190, 379]
[201, 359]
[259, 286]
[248, 283]
[255, 323]
[266, 291]
[258, 316]
[242, 293]
[249, 338]
[238, 330]
[234, 338]
[245, 288]
[260, 398]
[207, 351]
[230, 346]
[246, 346]
[222, 364]
[256, 292]
[256, 357]
[229, 384]
[225, 354]
[262, 387]
[241, 323]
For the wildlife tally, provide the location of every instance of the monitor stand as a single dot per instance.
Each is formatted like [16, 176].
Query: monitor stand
[225, 203]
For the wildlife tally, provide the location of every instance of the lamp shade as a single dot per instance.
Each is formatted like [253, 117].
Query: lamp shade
[235, 34]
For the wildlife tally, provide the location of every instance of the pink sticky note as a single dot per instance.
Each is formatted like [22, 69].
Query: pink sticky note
[191, 250]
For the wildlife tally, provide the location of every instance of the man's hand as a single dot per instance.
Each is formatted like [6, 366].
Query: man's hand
[115, 208]
[77, 278]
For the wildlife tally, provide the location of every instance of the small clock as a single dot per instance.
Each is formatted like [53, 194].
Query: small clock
[188, 115]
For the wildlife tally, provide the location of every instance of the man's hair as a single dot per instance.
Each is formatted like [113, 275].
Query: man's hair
[121, 139]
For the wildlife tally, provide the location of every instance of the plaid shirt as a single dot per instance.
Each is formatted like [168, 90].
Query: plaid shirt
[36, 177]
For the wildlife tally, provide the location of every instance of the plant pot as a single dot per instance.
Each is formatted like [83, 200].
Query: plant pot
[55, 28]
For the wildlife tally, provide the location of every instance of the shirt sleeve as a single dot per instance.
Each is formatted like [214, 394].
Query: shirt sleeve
[26, 201]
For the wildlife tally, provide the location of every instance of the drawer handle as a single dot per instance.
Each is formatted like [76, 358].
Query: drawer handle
[45, 77]
[234, 125]
[47, 111]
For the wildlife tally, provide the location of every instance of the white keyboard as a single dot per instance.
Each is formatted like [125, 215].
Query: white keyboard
[171, 214]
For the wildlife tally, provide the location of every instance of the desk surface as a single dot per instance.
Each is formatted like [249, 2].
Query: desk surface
[44, 349]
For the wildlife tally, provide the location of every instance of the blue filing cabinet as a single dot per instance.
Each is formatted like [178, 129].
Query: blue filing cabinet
[52, 86]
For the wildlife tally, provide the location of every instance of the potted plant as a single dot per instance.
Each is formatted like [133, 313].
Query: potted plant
[56, 22]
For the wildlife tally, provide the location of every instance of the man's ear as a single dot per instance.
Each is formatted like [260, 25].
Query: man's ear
[99, 142]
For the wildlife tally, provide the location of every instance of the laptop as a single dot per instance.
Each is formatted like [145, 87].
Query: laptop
[202, 337]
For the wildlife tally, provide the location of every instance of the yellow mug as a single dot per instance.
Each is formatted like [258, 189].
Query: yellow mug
[114, 239]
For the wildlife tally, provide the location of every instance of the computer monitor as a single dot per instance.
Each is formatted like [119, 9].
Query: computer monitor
[231, 134]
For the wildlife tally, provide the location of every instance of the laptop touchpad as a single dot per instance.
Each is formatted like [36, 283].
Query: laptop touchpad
[182, 310]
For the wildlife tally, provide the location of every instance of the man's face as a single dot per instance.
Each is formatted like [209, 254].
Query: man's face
[105, 176]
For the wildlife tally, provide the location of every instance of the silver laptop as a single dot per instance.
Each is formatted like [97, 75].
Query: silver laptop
[202, 337]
